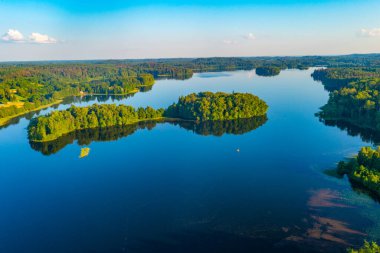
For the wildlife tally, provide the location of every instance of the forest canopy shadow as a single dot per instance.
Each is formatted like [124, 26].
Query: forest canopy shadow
[206, 128]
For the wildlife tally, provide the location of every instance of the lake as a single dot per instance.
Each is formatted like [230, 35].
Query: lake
[244, 186]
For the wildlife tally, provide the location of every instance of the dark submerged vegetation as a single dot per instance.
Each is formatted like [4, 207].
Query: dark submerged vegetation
[208, 106]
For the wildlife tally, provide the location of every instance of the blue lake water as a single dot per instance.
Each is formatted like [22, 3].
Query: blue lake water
[167, 188]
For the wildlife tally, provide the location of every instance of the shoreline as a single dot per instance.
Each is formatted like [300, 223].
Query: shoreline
[5, 121]
[160, 119]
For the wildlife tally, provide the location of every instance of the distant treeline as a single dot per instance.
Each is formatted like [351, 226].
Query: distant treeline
[201, 107]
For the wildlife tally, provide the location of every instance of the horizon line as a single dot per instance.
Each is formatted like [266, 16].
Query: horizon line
[184, 58]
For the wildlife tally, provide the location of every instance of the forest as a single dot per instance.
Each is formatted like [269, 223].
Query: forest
[354, 105]
[23, 89]
[268, 71]
[356, 102]
[364, 169]
[207, 106]
[336, 78]
[58, 123]
[204, 106]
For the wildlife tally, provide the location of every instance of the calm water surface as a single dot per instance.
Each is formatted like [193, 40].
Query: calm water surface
[166, 188]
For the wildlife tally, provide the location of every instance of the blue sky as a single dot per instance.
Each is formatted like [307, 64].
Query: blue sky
[115, 29]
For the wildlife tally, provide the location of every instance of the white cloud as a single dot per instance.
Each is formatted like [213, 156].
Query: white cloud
[230, 42]
[41, 39]
[249, 36]
[374, 32]
[13, 36]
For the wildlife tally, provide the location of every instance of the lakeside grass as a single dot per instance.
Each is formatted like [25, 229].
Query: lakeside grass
[4, 121]
[18, 104]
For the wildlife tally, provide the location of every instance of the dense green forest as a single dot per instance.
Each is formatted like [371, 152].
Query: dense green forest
[336, 78]
[207, 106]
[357, 103]
[58, 123]
[364, 169]
[204, 106]
[28, 86]
[24, 89]
[268, 71]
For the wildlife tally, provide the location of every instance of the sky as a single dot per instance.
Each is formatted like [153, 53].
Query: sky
[116, 29]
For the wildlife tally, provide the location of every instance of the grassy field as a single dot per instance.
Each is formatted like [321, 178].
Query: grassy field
[18, 104]
[4, 121]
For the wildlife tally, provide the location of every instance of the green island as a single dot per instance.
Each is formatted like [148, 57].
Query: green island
[268, 71]
[202, 107]
[208, 106]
